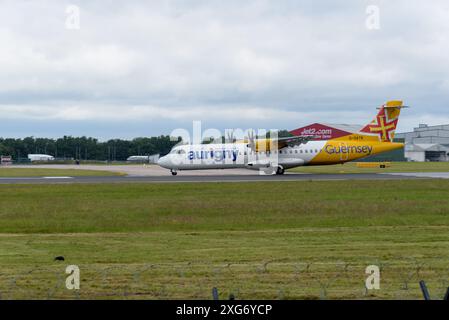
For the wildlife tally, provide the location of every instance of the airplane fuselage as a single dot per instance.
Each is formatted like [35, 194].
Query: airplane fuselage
[312, 145]
[239, 155]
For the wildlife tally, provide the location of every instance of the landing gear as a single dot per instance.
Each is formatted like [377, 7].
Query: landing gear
[280, 170]
[173, 172]
[272, 170]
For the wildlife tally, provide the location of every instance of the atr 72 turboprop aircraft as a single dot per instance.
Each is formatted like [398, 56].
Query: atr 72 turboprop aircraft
[317, 144]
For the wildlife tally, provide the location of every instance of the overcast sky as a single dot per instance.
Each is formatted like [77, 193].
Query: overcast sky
[143, 68]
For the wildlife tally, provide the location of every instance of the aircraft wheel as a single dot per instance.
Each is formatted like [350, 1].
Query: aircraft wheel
[280, 170]
[173, 173]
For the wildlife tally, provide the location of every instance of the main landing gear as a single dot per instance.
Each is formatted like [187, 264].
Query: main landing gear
[272, 170]
[280, 170]
[173, 172]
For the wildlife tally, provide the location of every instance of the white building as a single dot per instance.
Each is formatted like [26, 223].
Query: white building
[426, 143]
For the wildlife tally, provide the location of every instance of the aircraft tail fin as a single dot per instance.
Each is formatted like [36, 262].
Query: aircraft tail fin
[386, 121]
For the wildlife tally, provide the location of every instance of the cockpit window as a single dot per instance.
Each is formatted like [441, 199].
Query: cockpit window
[178, 151]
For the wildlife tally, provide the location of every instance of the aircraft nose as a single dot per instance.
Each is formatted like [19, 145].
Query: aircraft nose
[163, 162]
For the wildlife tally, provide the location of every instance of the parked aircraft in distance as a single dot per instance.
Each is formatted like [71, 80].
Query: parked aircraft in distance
[316, 144]
[40, 157]
[143, 159]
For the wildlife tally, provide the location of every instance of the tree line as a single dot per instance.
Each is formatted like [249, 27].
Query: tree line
[86, 148]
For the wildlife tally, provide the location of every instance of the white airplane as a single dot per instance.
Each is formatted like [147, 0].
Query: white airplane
[40, 157]
[316, 144]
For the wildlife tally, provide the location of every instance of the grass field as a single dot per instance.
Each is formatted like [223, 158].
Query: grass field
[351, 167]
[39, 172]
[280, 240]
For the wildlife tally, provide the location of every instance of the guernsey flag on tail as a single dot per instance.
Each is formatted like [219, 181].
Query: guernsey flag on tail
[385, 123]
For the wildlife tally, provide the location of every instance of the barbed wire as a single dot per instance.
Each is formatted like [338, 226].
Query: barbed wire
[267, 279]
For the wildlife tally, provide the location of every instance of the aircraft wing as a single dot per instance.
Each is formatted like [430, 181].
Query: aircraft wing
[293, 141]
[270, 144]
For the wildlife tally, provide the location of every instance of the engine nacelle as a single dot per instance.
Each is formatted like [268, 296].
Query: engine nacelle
[259, 164]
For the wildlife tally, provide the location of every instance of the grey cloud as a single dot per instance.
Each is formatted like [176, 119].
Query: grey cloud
[213, 57]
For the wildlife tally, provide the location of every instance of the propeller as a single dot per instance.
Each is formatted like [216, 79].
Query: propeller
[251, 140]
[230, 136]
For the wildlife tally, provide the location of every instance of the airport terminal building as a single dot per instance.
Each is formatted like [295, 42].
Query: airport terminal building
[426, 143]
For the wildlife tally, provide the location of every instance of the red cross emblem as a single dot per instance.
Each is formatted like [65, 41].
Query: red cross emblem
[382, 126]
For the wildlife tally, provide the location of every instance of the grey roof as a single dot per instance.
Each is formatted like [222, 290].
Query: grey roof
[426, 147]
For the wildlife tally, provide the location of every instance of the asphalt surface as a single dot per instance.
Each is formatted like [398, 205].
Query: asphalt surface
[217, 178]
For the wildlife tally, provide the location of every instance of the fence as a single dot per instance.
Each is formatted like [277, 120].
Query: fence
[195, 280]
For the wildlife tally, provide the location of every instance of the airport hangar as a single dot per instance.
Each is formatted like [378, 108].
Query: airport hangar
[426, 143]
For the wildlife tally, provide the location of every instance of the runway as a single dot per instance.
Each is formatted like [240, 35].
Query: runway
[223, 178]
[156, 174]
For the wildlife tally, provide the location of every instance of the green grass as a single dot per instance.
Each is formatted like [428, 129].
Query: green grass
[278, 240]
[351, 167]
[6, 172]
[221, 206]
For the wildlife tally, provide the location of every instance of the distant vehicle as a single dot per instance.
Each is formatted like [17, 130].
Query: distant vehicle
[40, 157]
[316, 144]
[5, 160]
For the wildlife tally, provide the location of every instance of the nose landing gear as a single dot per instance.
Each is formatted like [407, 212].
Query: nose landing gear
[173, 172]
